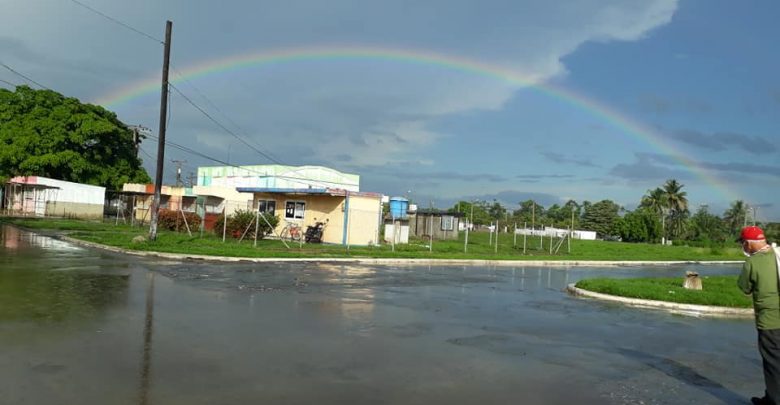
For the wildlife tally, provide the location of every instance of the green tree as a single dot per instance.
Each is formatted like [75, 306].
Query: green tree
[530, 212]
[655, 201]
[735, 216]
[640, 225]
[44, 133]
[601, 218]
[707, 227]
[677, 204]
[481, 215]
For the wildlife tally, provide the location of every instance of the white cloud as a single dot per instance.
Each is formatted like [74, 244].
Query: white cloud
[387, 106]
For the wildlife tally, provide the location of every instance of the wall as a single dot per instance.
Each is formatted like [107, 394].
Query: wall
[74, 210]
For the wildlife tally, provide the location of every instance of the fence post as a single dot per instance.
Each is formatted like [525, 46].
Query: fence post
[525, 234]
[224, 221]
[257, 225]
[496, 250]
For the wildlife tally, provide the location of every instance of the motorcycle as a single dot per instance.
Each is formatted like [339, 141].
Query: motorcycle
[314, 232]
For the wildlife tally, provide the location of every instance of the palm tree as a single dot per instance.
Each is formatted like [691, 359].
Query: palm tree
[655, 201]
[677, 203]
[736, 216]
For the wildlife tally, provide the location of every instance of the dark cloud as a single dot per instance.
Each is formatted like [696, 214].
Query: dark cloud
[563, 159]
[511, 198]
[661, 105]
[544, 176]
[647, 168]
[720, 141]
[656, 167]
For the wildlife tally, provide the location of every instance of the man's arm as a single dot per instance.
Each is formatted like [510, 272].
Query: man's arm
[744, 282]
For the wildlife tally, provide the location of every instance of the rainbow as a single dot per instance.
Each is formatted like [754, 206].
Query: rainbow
[625, 124]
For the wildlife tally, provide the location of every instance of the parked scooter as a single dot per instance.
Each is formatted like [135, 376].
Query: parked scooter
[314, 232]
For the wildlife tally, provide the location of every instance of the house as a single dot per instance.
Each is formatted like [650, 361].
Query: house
[430, 222]
[277, 177]
[43, 196]
[352, 218]
[171, 198]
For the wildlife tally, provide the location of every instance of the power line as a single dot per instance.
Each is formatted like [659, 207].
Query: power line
[8, 83]
[214, 106]
[224, 128]
[23, 76]
[114, 20]
[267, 155]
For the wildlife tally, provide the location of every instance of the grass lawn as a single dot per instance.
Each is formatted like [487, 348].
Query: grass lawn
[478, 248]
[717, 290]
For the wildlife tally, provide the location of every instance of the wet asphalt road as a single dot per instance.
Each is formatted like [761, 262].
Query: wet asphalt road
[89, 327]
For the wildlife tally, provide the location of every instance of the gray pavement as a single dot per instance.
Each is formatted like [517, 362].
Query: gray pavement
[86, 326]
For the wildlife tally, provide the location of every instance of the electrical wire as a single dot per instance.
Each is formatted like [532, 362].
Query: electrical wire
[116, 21]
[215, 107]
[7, 82]
[265, 154]
[224, 128]
[23, 76]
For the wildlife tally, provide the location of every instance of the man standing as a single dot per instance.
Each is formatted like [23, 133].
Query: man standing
[760, 279]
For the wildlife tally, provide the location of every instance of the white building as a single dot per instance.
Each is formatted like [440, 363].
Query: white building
[42, 196]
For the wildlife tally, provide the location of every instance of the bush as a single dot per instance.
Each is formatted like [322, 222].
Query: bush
[172, 220]
[239, 221]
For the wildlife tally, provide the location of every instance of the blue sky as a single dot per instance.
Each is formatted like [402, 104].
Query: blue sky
[700, 74]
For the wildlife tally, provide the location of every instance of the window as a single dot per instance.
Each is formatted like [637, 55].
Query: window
[266, 206]
[294, 209]
[447, 223]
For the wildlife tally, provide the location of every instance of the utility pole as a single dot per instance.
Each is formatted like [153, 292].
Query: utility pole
[179, 163]
[192, 179]
[158, 178]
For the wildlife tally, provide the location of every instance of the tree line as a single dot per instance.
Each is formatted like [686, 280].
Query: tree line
[663, 213]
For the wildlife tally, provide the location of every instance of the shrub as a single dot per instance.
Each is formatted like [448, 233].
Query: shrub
[239, 221]
[172, 220]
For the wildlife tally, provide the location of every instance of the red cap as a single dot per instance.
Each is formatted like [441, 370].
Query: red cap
[751, 233]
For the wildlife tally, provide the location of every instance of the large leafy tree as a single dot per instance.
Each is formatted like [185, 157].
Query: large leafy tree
[602, 218]
[44, 133]
[530, 212]
[640, 225]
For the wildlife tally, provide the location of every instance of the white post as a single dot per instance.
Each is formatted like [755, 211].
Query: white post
[430, 245]
[514, 238]
[525, 234]
[224, 221]
[496, 236]
[257, 225]
[490, 238]
[132, 213]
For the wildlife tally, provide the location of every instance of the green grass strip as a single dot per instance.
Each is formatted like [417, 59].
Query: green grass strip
[717, 290]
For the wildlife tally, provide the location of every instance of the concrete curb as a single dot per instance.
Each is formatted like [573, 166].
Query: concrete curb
[673, 307]
[368, 260]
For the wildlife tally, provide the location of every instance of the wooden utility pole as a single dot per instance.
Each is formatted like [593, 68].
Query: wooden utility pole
[161, 136]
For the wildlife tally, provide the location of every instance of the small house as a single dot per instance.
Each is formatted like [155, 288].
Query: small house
[43, 196]
[427, 223]
[351, 218]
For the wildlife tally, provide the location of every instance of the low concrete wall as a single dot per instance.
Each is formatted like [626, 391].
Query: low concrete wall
[74, 210]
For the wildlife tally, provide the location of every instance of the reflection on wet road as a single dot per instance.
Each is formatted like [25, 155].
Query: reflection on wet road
[90, 327]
